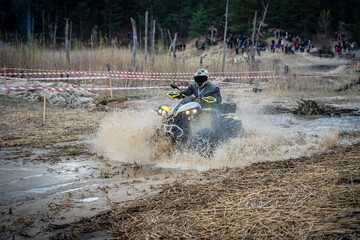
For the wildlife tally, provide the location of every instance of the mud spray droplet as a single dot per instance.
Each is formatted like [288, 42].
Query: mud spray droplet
[127, 136]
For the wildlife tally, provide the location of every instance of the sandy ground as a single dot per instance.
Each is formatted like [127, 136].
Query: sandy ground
[75, 186]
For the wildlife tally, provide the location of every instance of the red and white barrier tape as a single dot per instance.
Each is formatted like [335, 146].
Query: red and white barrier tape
[55, 79]
[28, 69]
[104, 73]
[80, 89]
[92, 89]
[244, 77]
[131, 76]
[47, 73]
[154, 79]
[318, 76]
[241, 72]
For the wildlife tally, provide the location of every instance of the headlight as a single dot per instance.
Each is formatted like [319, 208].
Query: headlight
[193, 111]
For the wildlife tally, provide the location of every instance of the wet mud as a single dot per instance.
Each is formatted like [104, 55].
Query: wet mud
[81, 165]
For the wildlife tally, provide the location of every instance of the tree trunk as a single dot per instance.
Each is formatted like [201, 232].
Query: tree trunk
[140, 42]
[170, 38]
[133, 23]
[52, 33]
[92, 41]
[162, 37]
[70, 36]
[226, 22]
[146, 34]
[67, 42]
[172, 46]
[32, 27]
[252, 61]
[161, 31]
[261, 23]
[28, 23]
[153, 46]
[43, 28]
[211, 36]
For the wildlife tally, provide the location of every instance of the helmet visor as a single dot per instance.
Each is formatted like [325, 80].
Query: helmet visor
[200, 80]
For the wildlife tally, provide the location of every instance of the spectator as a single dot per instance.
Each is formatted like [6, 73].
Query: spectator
[208, 41]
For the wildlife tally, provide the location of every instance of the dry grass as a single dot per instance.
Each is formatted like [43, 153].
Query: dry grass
[36, 57]
[86, 59]
[293, 199]
[21, 124]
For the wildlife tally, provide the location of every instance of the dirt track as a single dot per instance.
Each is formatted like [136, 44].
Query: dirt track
[307, 197]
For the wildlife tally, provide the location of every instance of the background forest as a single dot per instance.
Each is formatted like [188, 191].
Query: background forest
[110, 19]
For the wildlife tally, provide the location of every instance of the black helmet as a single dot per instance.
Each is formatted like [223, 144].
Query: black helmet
[201, 76]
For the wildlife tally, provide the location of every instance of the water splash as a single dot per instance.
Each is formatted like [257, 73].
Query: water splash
[126, 136]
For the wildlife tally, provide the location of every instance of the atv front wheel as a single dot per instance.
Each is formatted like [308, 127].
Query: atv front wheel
[204, 142]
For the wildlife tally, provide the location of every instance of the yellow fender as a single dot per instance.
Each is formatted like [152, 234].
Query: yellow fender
[173, 94]
[167, 109]
[229, 116]
[209, 99]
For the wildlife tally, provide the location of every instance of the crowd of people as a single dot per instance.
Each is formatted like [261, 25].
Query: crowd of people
[294, 44]
[342, 46]
[283, 41]
[238, 42]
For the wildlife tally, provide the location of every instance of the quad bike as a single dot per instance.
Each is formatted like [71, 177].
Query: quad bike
[197, 128]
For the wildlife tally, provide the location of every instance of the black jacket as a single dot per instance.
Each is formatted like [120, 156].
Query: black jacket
[210, 89]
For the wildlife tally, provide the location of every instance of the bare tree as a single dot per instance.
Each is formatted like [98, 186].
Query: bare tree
[153, 46]
[258, 33]
[146, 33]
[324, 22]
[169, 36]
[226, 22]
[262, 21]
[252, 61]
[161, 30]
[67, 43]
[28, 23]
[43, 27]
[172, 46]
[133, 23]
[52, 32]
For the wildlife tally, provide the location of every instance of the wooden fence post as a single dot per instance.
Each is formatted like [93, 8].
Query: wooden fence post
[111, 93]
[27, 79]
[44, 113]
[286, 71]
[5, 79]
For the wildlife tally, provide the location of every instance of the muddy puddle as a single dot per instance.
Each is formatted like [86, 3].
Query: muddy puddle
[119, 163]
[33, 173]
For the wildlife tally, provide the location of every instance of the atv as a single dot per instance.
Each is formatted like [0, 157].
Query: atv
[188, 124]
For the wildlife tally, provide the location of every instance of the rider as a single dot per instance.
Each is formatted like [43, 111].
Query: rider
[207, 92]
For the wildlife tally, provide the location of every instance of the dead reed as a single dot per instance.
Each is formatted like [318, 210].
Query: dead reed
[21, 123]
[306, 198]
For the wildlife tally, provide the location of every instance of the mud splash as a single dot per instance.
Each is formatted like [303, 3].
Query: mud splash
[126, 137]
